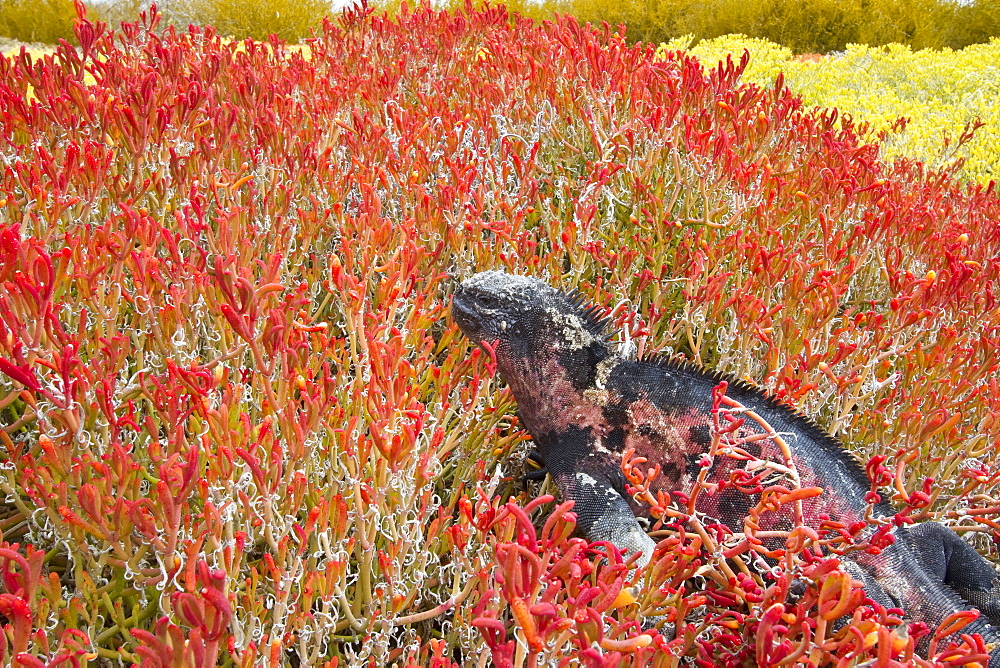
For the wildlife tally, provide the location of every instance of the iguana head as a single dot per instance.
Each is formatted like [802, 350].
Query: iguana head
[525, 315]
[548, 343]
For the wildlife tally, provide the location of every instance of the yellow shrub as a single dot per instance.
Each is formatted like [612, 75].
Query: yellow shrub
[817, 26]
[805, 27]
[766, 58]
[37, 20]
[939, 91]
[292, 20]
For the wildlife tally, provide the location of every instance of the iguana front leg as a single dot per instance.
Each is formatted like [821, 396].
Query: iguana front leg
[534, 466]
[589, 475]
[951, 560]
[602, 512]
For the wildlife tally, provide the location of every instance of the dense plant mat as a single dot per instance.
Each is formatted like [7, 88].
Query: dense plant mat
[239, 427]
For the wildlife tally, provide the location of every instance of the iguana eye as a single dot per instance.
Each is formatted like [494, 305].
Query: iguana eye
[489, 301]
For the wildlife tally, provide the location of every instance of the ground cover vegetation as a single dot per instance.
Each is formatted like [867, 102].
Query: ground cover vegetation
[239, 427]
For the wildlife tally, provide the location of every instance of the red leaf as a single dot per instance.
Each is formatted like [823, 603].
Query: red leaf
[22, 374]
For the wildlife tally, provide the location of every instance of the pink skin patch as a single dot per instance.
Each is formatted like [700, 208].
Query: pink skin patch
[672, 440]
[554, 403]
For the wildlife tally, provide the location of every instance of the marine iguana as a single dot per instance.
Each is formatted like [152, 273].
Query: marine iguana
[584, 405]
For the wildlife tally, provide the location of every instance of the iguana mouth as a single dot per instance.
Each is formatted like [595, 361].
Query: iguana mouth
[465, 315]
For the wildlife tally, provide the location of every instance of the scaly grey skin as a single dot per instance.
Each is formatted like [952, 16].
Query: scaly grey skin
[584, 405]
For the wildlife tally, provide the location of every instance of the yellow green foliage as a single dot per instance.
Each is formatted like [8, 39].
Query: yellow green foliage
[291, 20]
[37, 20]
[47, 21]
[940, 92]
[817, 26]
[766, 58]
